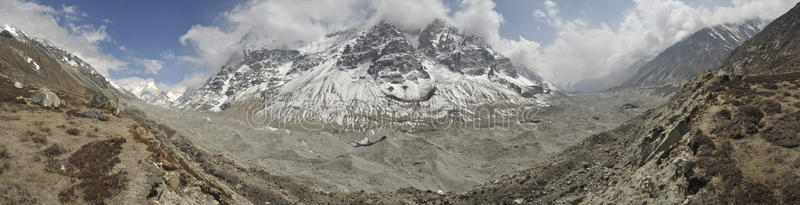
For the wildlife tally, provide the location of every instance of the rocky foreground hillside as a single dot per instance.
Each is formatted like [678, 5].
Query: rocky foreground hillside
[724, 138]
[728, 136]
[65, 139]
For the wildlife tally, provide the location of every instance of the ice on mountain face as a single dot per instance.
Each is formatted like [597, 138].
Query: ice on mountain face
[69, 61]
[11, 30]
[351, 77]
[33, 63]
[35, 66]
[147, 90]
[733, 35]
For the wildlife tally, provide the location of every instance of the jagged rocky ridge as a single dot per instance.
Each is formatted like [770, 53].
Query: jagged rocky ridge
[703, 50]
[375, 71]
[42, 62]
[774, 50]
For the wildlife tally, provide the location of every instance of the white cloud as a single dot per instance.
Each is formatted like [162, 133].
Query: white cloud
[479, 17]
[551, 8]
[151, 66]
[92, 34]
[579, 52]
[144, 87]
[583, 52]
[411, 15]
[291, 23]
[168, 55]
[194, 79]
[69, 9]
[278, 23]
[42, 21]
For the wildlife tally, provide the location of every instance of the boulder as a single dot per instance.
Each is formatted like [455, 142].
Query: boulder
[366, 142]
[628, 106]
[105, 99]
[93, 114]
[45, 98]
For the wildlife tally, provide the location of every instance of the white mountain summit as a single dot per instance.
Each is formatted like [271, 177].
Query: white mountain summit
[375, 71]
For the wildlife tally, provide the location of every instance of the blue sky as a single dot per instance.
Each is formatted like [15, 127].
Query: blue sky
[150, 29]
[147, 29]
[179, 42]
[519, 19]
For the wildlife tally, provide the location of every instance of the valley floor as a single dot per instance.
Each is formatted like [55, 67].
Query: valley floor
[710, 144]
[151, 154]
[448, 160]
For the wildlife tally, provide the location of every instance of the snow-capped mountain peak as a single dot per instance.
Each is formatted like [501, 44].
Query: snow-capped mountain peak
[147, 90]
[371, 72]
[701, 51]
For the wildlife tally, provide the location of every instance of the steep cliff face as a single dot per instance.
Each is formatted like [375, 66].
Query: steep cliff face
[774, 50]
[703, 50]
[40, 62]
[378, 70]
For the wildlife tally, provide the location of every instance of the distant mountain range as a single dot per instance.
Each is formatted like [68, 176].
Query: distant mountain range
[148, 91]
[703, 50]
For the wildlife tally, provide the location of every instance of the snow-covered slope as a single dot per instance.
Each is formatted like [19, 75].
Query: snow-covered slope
[374, 71]
[703, 50]
[148, 91]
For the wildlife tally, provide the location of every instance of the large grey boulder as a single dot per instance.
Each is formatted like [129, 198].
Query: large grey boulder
[93, 114]
[105, 99]
[45, 98]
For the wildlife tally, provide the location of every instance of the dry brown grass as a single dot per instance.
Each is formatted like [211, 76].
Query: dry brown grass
[93, 162]
[73, 131]
[54, 151]
[3, 156]
[783, 131]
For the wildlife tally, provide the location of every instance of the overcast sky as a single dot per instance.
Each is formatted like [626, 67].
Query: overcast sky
[179, 43]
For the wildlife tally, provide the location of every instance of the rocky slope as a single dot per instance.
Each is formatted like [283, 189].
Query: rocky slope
[371, 72]
[775, 50]
[41, 63]
[723, 138]
[703, 50]
[72, 145]
[722, 147]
